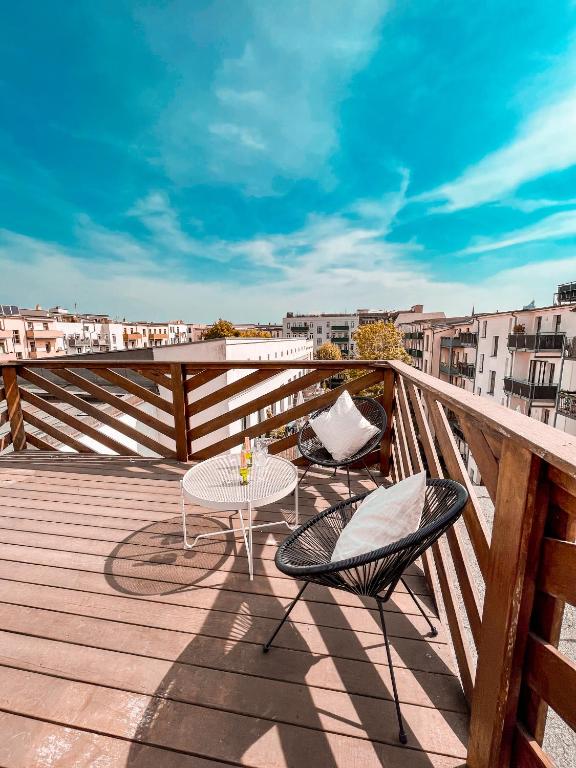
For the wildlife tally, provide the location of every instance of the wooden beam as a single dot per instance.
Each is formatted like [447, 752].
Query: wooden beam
[104, 396]
[178, 376]
[434, 465]
[408, 426]
[72, 421]
[528, 753]
[473, 515]
[481, 453]
[127, 385]
[96, 413]
[57, 434]
[40, 444]
[553, 677]
[14, 408]
[520, 514]
[200, 378]
[229, 390]
[387, 400]
[5, 441]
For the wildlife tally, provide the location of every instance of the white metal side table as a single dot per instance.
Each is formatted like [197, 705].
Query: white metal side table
[215, 484]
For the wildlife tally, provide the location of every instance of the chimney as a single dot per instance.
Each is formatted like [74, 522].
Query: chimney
[417, 308]
[38, 306]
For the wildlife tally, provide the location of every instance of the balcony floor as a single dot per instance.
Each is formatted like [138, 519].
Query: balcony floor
[117, 648]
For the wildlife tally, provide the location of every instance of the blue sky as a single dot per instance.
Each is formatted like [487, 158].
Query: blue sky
[244, 158]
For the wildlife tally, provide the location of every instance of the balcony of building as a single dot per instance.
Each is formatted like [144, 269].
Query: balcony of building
[44, 333]
[537, 342]
[414, 335]
[567, 404]
[467, 370]
[120, 648]
[157, 336]
[530, 390]
[414, 352]
[340, 327]
[132, 336]
[298, 329]
[461, 340]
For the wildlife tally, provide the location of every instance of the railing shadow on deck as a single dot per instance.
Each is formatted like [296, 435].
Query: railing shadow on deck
[506, 648]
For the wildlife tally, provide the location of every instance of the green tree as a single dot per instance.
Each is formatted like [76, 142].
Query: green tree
[328, 351]
[221, 329]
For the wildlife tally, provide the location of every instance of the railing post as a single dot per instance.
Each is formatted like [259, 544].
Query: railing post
[387, 400]
[14, 405]
[178, 376]
[520, 514]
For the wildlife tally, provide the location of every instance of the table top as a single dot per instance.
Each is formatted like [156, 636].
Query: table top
[215, 483]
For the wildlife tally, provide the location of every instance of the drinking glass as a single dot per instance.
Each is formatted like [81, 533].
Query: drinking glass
[260, 452]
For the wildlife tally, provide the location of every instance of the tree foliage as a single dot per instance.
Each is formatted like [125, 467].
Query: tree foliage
[221, 329]
[380, 341]
[328, 351]
[254, 333]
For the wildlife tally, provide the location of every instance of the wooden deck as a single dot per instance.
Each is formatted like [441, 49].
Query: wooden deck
[117, 648]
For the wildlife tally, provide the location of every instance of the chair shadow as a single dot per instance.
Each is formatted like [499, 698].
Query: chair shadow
[223, 699]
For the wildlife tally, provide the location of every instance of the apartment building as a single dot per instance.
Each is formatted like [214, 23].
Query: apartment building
[28, 334]
[339, 328]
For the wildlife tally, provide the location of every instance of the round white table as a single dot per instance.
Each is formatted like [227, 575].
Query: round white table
[215, 484]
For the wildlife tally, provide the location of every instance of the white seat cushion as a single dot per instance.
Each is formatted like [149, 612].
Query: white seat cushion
[343, 430]
[385, 516]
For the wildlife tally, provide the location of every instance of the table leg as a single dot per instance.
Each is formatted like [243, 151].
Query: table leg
[187, 544]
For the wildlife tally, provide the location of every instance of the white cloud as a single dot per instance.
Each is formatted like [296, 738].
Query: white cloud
[545, 143]
[269, 108]
[556, 227]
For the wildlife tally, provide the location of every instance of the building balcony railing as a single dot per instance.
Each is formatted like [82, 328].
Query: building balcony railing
[462, 340]
[298, 329]
[340, 339]
[414, 352]
[414, 335]
[468, 370]
[567, 404]
[537, 342]
[340, 327]
[530, 390]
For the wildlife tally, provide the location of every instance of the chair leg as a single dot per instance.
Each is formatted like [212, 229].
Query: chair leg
[367, 468]
[402, 734]
[433, 630]
[266, 646]
[304, 475]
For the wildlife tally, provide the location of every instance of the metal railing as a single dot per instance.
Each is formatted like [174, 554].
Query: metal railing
[537, 342]
[530, 390]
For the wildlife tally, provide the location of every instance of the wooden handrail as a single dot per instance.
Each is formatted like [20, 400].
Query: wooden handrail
[506, 648]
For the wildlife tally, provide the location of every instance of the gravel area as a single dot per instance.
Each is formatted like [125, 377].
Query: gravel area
[559, 739]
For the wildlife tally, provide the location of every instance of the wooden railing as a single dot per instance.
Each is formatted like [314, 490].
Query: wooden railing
[502, 587]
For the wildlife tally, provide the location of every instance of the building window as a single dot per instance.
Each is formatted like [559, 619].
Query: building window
[45, 326]
[425, 366]
[319, 329]
[494, 346]
[557, 321]
[545, 415]
[538, 324]
[484, 328]
[492, 382]
[16, 337]
[481, 366]
[426, 340]
[479, 391]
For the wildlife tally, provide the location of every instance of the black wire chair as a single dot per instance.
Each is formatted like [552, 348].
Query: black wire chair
[314, 452]
[305, 555]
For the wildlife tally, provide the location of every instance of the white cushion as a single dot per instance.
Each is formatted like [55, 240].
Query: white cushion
[385, 516]
[343, 430]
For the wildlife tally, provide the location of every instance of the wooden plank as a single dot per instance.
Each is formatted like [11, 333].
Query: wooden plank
[408, 425]
[37, 442]
[212, 425]
[4, 418]
[520, 514]
[556, 447]
[81, 427]
[5, 441]
[353, 386]
[557, 571]
[96, 413]
[201, 378]
[230, 390]
[160, 379]
[14, 408]
[528, 753]
[178, 375]
[466, 583]
[457, 633]
[128, 385]
[482, 454]
[402, 443]
[434, 465]
[473, 515]
[57, 434]
[104, 396]
[387, 401]
[553, 676]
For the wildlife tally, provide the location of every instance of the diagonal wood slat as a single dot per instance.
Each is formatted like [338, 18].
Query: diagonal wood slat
[259, 403]
[4, 418]
[354, 386]
[5, 441]
[71, 421]
[199, 379]
[482, 453]
[156, 377]
[104, 396]
[96, 413]
[37, 442]
[127, 385]
[57, 434]
[229, 390]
